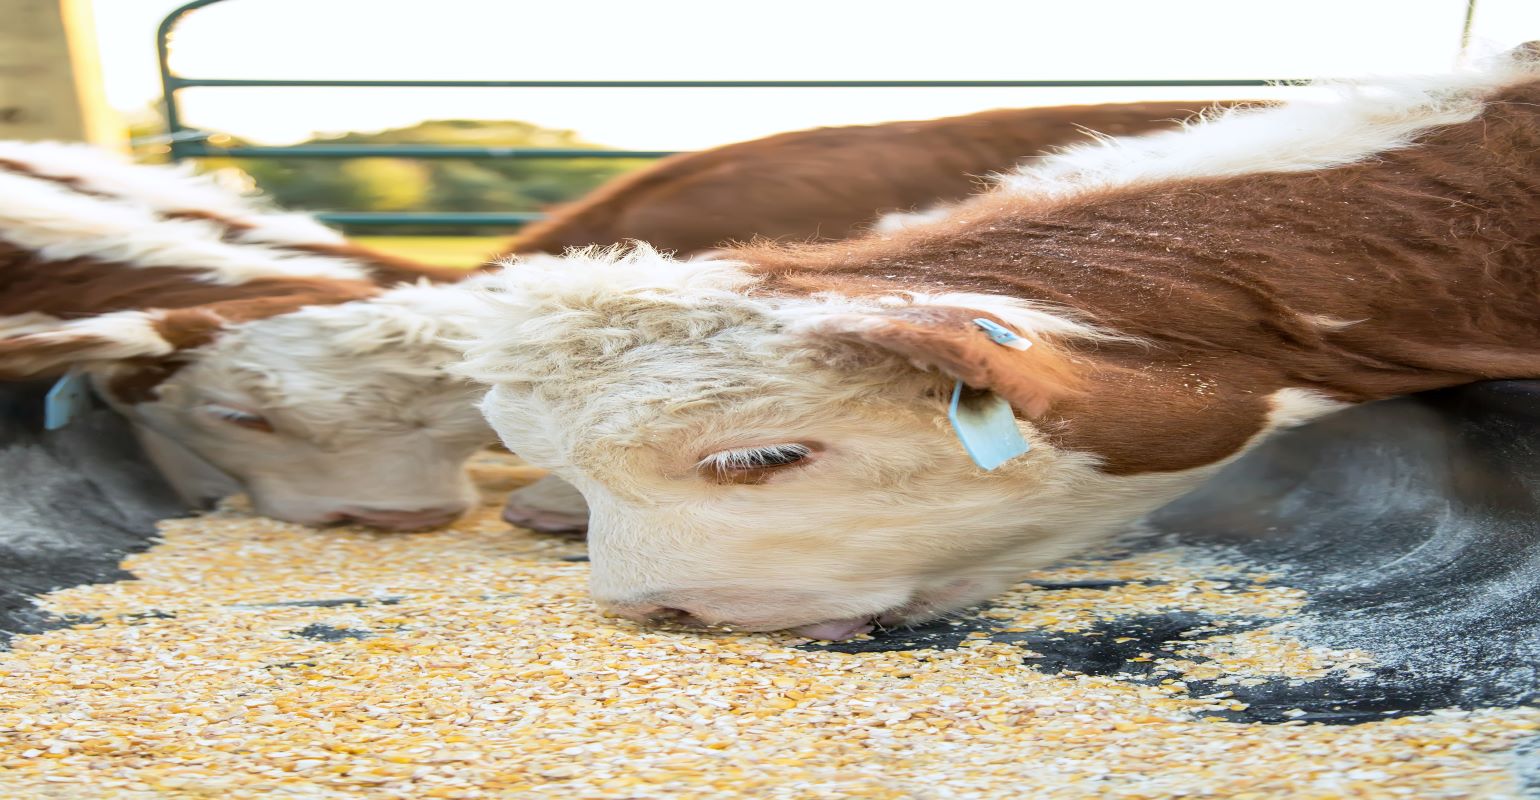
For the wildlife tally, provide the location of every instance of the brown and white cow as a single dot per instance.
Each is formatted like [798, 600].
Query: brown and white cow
[259, 344]
[827, 183]
[764, 440]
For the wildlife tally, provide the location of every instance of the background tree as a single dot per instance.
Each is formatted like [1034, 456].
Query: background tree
[395, 184]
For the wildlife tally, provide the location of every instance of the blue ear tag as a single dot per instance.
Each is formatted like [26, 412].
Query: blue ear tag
[987, 426]
[1001, 335]
[69, 398]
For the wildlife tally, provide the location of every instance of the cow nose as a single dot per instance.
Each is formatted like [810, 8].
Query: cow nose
[396, 519]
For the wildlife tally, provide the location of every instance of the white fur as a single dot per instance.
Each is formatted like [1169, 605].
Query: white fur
[167, 189]
[895, 221]
[1329, 323]
[121, 334]
[1365, 119]
[28, 348]
[23, 324]
[59, 224]
[533, 294]
[1293, 407]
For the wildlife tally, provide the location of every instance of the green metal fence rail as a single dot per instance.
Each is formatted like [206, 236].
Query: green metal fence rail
[188, 142]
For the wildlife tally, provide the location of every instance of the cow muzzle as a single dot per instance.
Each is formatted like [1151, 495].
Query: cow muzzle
[834, 630]
[814, 615]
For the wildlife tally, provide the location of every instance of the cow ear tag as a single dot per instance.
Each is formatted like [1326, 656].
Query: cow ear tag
[1001, 335]
[69, 398]
[986, 425]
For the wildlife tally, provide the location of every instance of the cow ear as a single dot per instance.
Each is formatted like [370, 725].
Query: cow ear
[53, 347]
[1026, 369]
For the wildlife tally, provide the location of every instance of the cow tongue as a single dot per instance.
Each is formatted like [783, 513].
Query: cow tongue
[836, 630]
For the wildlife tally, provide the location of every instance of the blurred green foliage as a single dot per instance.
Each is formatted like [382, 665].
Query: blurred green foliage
[396, 184]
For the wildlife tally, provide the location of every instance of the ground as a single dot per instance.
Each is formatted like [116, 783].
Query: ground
[251, 658]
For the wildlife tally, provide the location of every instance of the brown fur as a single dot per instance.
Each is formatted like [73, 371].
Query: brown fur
[70, 182]
[827, 183]
[191, 310]
[22, 357]
[384, 268]
[81, 287]
[948, 339]
[138, 380]
[1433, 253]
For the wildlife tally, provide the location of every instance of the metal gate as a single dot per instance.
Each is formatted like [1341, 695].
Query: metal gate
[188, 142]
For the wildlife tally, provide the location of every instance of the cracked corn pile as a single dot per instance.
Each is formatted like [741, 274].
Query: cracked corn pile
[256, 659]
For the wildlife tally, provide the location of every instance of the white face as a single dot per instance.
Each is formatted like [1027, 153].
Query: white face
[780, 511]
[743, 473]
[784, 463]
[318, 428]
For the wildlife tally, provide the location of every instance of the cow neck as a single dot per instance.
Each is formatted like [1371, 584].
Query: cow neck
[1408, 272]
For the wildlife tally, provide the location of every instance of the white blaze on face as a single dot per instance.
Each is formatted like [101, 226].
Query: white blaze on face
[772, 464]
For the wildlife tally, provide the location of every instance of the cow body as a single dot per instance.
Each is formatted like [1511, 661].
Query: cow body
[242, 343]
[763, 438]
[827, 183]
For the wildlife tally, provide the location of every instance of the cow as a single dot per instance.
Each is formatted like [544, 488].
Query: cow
[250, 349]
[764, 437]
[826, 183]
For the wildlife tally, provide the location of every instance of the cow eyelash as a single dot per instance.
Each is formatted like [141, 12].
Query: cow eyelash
[754, 460]
[238, 417]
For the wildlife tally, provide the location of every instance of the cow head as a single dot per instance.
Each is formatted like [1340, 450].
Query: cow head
[772, 462]
[323, 409]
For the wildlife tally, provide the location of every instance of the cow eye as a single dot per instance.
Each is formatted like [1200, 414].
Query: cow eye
[238, 416]
[753, 464]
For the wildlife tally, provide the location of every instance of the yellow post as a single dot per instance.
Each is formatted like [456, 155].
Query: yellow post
[51, 75]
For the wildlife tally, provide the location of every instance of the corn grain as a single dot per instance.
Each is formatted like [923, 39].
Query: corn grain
[469, 663]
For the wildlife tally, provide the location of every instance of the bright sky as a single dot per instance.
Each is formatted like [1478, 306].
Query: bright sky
[772, 39]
